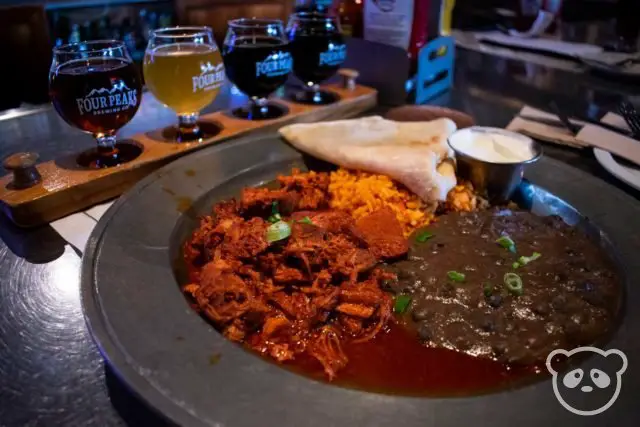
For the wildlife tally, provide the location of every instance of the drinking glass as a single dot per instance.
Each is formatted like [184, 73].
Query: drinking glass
[95, 87]
[257, 59]
[318, 50]
[183, 69]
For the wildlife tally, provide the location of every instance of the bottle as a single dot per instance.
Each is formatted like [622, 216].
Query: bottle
[400, 23]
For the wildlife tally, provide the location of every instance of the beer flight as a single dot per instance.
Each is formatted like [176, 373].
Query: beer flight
[95, 86]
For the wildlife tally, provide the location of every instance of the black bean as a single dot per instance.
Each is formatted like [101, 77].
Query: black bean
[559, 302]
[494, 301]
[541, 309]
[488, 325]
[499, 348]
[587, 286]
[448, 290]
[406, 274]
[424, 332]
[439, 245]
[420, 314]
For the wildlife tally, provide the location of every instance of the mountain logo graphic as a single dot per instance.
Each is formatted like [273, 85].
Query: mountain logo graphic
[118, 87]
[208, 68]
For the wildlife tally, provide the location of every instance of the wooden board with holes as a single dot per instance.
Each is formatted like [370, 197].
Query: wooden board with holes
[66, 188]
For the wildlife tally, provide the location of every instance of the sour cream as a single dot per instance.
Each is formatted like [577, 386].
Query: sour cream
[492, 145]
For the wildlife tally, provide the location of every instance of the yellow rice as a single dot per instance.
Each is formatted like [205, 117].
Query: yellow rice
[361, 193]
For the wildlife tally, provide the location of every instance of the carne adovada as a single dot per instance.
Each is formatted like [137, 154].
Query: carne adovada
[286, 276]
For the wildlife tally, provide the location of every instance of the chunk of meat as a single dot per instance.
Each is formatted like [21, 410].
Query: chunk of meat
[312, 187]
[354, 262]
[332, 221]
[287, 275]
[259, 201]
[295, 306]
[222, 295]
[356, 310]
[235, 331]
[228, 209]
[327, 350]
[273, 324]
[246, 239]
[383, 233]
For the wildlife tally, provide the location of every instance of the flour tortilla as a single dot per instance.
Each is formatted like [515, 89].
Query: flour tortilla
[413, 153]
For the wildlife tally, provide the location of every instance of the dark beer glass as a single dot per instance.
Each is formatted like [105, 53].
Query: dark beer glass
[95, 87]
[257, 60]
[318, 50]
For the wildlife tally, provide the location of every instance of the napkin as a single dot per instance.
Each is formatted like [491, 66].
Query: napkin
[76, 228]
[590, 135]
[576, 50]
[554, 134]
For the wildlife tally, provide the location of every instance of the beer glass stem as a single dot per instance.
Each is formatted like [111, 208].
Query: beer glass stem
[106, 143]
[315, 91]
[188, 124]
[259, 106]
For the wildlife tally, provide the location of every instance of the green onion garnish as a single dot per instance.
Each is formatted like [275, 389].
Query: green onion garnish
[487, 289]
[305, 220]
[274, 218]
[524, 260]
[515, 265]
[513, 283]
[401, 303]
[456, 276]
[423, 236]
[507, 243]
[278, 231]
[275, 214]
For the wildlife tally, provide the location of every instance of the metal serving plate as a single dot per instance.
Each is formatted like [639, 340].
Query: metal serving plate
[174, 360]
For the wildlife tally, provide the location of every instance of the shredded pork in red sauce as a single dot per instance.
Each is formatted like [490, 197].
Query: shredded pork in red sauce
[306, 294]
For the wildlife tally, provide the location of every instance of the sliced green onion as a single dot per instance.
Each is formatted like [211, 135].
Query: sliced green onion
[515, 265]
[524, 260]
[423, 236]
[401, 303]
[513, 283]
[274, 218]
[456, 276]
[278, 231]
[274, 208]
[487, 289]
[305, 220]
[507, 243]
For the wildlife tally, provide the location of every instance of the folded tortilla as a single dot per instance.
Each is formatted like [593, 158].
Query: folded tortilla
[413, 153]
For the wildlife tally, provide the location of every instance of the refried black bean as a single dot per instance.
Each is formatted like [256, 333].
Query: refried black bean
[570, 295]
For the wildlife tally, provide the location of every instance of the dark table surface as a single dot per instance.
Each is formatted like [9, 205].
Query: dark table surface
[51, 373]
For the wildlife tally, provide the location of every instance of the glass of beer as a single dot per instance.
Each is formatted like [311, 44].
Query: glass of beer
[95, 87]
[318, 50]
[257, 59]
[183, 69]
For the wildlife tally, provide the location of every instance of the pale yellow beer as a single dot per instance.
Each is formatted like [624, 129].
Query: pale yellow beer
[186, 77]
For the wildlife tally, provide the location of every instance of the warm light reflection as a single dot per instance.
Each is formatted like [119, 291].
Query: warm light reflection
[64, 285]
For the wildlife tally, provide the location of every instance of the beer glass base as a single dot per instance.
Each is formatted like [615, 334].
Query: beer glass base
[205, 130]
[101, 157]
[320, 97]
[264, 112]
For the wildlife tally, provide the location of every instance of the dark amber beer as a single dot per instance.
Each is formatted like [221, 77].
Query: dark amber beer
[97, 95]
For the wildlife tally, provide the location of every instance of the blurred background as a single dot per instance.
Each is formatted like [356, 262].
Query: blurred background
[30, 28]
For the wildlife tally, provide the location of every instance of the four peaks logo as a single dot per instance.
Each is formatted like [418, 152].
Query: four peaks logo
[211, 77]
[276, 64]
[108, 101]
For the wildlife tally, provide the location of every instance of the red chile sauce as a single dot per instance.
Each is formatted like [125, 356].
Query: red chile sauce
[395, 362]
